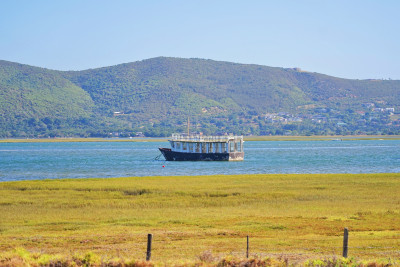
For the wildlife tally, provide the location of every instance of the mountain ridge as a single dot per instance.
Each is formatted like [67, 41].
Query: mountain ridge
[162, 91]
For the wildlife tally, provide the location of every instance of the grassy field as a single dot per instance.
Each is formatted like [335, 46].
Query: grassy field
[322, 138]
[60, 140]
[295, 216]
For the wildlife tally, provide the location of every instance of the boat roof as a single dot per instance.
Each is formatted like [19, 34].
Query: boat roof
[205, 138]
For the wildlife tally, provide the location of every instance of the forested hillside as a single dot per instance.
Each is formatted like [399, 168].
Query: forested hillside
[156, 96]
[31, 99]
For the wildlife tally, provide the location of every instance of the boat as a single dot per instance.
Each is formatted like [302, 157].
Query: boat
[186, 147]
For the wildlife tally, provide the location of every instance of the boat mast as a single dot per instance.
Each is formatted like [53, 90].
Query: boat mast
[188, 127]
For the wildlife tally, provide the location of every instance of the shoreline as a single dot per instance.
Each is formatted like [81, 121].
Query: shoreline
[246, 138]
[178, 177]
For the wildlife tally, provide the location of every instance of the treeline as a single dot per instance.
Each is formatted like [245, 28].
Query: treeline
[53, 127]
[234, 123]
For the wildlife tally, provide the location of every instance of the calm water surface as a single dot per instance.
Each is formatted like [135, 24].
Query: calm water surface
[28, 161]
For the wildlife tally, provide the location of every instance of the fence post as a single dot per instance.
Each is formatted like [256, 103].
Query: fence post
[149, 239]
[247, 251]
[345, 242]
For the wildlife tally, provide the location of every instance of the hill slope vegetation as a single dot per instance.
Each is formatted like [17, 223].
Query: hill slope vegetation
[156, 96]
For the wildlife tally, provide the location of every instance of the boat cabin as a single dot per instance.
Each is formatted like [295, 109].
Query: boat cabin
[206, 144]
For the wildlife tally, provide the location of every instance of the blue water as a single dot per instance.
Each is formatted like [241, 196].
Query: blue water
[28, 161]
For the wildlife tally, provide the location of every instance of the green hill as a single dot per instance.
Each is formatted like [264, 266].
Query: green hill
[236, 87]
[156, 96]
[28, 94]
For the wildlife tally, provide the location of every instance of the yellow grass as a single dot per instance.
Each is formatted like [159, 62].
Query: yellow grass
[292, 215]
[322, 138]
[60, 140]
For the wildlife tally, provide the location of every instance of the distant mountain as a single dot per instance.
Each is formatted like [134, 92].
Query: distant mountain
[160, 93]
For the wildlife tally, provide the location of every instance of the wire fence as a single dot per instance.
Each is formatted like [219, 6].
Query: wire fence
[297, 252]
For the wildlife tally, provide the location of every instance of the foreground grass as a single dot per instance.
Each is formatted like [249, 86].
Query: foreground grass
[297, 217]
[21, 257]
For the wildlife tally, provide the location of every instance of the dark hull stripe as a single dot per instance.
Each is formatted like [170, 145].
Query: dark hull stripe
[183, 156]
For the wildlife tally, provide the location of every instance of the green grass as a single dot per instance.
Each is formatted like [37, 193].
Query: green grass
[322, 138]
[61, 140]
[293, 215]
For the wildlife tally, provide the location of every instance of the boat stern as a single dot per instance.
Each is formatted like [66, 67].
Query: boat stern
[236, 156]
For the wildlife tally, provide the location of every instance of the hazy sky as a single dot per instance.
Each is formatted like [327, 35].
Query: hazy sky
[357, 39]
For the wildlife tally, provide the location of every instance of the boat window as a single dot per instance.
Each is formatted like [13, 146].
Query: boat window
[178, 145]
[232, 146]
[198, 147]
[223, 147]
[210, 148]
[239, 146]
[184, 146]
[203, 148]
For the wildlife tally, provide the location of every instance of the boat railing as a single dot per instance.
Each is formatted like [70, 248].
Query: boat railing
[204, 138]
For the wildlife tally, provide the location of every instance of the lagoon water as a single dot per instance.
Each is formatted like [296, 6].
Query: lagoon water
[32, 161]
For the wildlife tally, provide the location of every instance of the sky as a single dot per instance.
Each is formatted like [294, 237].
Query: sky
[355, 39]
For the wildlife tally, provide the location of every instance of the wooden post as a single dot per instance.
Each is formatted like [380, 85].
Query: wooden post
[247, 251]
[345, 242]
[149, 239]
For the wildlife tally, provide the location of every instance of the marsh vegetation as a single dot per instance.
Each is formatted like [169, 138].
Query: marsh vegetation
[299, 216]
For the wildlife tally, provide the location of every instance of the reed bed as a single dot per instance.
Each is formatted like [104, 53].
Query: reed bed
[299, 216]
